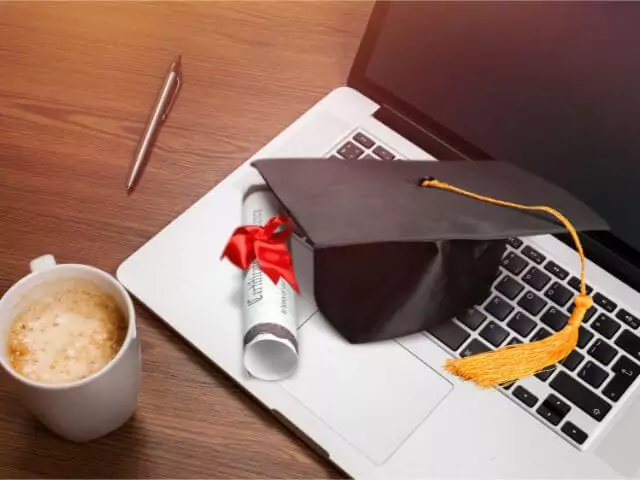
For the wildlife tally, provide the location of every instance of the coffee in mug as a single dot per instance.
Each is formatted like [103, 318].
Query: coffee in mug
[69, 348]
[71, 331]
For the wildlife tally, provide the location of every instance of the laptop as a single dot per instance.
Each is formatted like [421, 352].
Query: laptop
[550, 86]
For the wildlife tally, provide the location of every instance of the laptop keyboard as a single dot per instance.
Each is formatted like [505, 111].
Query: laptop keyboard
[361, 146]
[531, 299]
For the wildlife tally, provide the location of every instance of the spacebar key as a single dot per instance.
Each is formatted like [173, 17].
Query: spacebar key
[581, 396]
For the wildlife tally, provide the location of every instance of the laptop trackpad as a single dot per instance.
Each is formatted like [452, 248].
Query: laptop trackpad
[373, 395]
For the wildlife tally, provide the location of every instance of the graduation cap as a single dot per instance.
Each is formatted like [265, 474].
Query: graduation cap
[402, 246]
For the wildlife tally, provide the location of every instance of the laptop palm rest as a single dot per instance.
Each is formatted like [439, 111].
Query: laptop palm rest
[374, 395]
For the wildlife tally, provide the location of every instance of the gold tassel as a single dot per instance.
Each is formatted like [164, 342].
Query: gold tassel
[513, 362]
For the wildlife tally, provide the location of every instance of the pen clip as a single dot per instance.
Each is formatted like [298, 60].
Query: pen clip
[174, 93]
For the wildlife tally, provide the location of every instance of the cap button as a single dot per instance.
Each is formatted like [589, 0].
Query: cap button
[425, 179]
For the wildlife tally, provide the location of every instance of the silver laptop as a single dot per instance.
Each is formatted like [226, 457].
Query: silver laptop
[550, 86]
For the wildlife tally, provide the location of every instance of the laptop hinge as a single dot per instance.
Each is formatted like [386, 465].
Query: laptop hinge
[417, 135]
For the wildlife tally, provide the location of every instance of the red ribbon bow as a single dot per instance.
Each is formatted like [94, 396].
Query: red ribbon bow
[250, 242]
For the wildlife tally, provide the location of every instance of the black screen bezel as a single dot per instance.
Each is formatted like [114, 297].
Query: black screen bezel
[604, 248]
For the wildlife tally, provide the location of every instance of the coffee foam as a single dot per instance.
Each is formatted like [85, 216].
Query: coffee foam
[69, 331]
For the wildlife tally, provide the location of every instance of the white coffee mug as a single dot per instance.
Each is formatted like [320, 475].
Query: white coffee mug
[87, 408]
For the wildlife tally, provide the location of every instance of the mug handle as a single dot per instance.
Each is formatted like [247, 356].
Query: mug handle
[44, 262]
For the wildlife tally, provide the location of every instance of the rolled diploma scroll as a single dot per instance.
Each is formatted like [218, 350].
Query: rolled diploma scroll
[269, 310]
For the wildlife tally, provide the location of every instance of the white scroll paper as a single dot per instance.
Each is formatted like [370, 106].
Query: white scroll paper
[269, 310]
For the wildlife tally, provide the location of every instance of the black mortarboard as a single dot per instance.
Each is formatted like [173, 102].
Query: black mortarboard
[393, 258]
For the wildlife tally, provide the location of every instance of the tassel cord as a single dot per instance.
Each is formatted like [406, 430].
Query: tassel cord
[508, 364]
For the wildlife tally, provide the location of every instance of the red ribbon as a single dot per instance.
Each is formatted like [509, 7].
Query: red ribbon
[250, 242]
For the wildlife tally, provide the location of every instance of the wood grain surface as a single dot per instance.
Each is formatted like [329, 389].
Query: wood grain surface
[77, 84]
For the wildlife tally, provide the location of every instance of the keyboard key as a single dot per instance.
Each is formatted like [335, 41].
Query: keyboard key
[536, 278]
[573, 360]
[509, 287]
[522, 324]
[549, 415]
[605, 325]
[627, 367]
[363, 140]
[593, 374]
[557, 405]
[473, 347]
[525, 396]
[515, 242]
[628, 319]
[533, 254]
[499, 308]
[472, 318]
[494, 334]
[383, 153]
[546, 373]
[583, 398]
[559, 294]
[507, 386]
[574, 433]
[554, 318]
[553, 410]
[602, 352]
[584, 337]
[350, 151]
[370, 157]
[630, 343]
[514, 263]
[532, 303]
[574, 282]
[604, 302]
[588, 314]
[556, 270]
[625, 372]
[514, 341]
[541, 334]
[449, 333]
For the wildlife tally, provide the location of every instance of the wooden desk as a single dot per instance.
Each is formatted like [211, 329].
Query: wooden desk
[78, 81]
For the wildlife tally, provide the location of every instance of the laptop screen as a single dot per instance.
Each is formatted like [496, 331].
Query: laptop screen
[551, 86]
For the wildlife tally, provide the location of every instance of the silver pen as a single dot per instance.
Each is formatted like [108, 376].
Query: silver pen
[160, 112]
